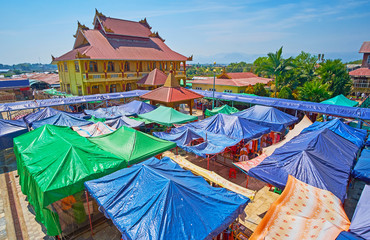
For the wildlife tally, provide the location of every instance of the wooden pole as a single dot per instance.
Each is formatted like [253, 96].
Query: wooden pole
[207, 162]
[88, 209]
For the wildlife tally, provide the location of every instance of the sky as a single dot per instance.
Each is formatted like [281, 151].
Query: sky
[228, 31]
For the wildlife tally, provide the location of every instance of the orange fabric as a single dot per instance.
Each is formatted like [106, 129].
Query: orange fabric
[303, 212]
[67, 202]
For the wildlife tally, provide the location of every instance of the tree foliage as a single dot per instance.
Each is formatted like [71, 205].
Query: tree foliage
[286, 93]
[334, 73]
[313, 91]
[259, 89]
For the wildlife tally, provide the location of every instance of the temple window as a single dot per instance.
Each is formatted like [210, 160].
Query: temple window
[65, 67]
[127, 66]
[110, 66]
[77, 66]
[93, 66]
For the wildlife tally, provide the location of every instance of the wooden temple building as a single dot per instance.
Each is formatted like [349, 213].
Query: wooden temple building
[153, 80]
[114, 55]
[171, 94]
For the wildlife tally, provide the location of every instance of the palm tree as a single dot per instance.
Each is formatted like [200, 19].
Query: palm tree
[314, 91]
[276, 65]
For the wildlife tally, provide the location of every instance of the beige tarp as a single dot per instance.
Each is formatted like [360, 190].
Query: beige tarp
[305, 122]
[210, 176]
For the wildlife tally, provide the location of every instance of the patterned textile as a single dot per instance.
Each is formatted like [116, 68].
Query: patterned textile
[303, 212]
[93, 130]
[247, 165]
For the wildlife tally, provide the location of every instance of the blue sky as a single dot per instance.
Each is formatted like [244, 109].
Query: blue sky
[33, 30]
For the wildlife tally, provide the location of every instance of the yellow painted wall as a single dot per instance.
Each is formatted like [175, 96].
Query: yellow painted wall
[219, 88]
[78, 79]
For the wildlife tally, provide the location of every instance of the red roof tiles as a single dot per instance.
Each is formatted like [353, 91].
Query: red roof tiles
[365, 48]
[125, 27]
[360, 72]
[120, 39]
[123, 48]
[238, 75]
[233, 82]
[171, 94]
[154, 78]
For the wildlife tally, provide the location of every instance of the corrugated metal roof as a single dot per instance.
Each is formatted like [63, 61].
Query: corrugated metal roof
[233, 82]
[125, 27]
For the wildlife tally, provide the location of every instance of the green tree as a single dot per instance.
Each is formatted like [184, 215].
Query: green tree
[259, 89]
[257, 65]
[276, 66]
[313, 91]
[334, 73]
[286, 93]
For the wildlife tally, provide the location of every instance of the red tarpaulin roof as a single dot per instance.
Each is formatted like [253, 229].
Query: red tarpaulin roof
[155, 78]
[171, 92]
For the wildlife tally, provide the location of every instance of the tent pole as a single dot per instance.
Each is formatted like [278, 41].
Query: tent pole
[88, 209]
[10, 115]
[207, 162]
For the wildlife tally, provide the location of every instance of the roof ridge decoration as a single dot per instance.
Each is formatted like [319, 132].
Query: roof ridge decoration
[82, 26]
[171, 80]
[224, 75]
[99, 14]
[190, 58]
[108, 30]
[156, 35]
[145, 23]
[80, 55]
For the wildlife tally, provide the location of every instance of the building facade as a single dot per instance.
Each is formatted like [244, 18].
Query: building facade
[361, 76]
[113, 56]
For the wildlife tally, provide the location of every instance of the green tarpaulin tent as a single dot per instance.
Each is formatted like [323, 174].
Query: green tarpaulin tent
[53, 163]
[226, 109]
[133, 146]
[95, 120]
[341, 100]
[366, 103]
[146, 121]
[167, 116]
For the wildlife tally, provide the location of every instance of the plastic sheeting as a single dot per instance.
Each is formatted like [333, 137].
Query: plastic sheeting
[360, 225]
[10, 129]
[341, 111]
[178, 206]
[93, 130]
[218, 132]
[225, 109]
[167, 116]
[341, 100]
[124, 121]
[362, 168]
[303, 212]
[320, 158]
[70, 100]
[107, 113]
[45, 113]
[53, 163]
[135, 108]
[270, 117]
[181, 138]
[354, 135]
[61, 119]
[304, 123]
[132, 145]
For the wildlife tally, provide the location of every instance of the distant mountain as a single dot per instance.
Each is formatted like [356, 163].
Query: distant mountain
[227, 58]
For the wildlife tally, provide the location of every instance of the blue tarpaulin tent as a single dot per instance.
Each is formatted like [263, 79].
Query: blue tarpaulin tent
[181, 138]
[360, 225]
[320, 158]
[10, 129]
[178, 206]
[124, 121]
[342, 111]
[61, 119]
[270, 117]
[135, 108]
[362, 168]
[354, 135]
[218, 132]
[231, 126]
[45, 113]
[107, 113]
